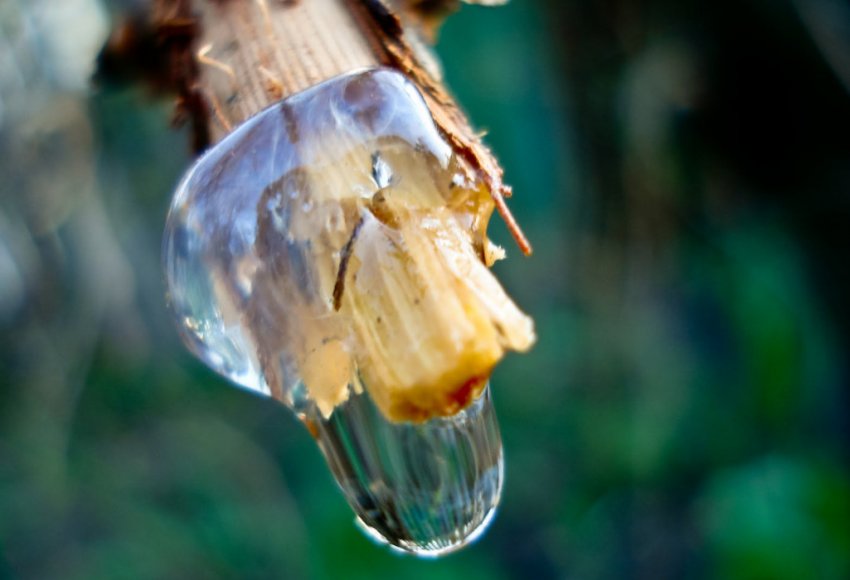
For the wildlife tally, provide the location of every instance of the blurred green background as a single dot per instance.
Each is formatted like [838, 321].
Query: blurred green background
[683, 169]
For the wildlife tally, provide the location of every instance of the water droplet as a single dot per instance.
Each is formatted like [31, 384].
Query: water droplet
[293, 277]
[430, 488]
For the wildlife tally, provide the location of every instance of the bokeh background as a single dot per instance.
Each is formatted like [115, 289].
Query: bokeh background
[683, 169]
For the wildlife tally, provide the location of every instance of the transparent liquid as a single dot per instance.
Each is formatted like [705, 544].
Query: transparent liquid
[325, 254]
[428, 488]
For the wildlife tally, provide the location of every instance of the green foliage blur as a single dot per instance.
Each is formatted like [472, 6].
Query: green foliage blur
[683, 170]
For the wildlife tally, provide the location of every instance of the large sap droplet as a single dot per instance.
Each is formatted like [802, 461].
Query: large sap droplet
[325, 254]
[427, 488]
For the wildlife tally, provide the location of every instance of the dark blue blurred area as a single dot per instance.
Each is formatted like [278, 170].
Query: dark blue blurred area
[683, 170]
